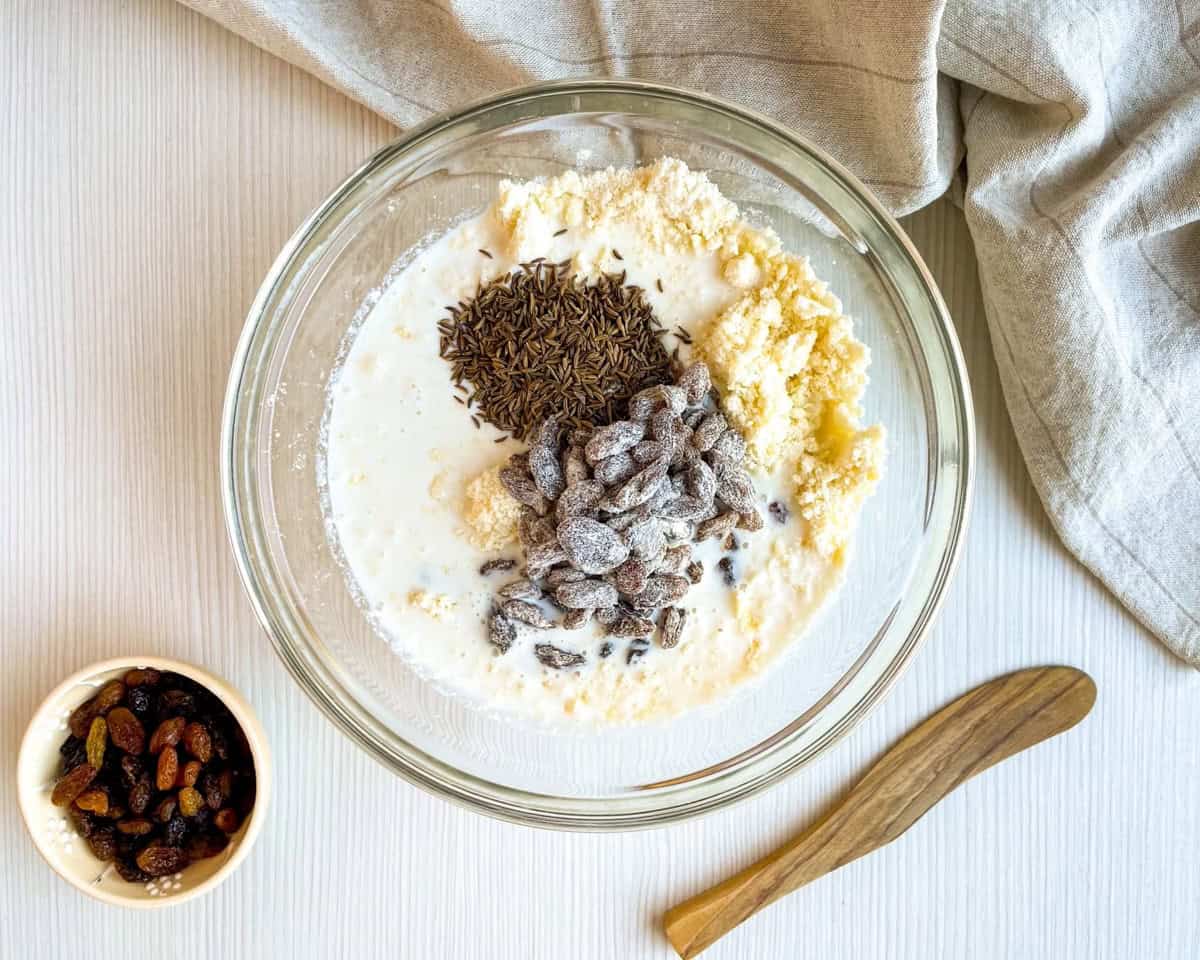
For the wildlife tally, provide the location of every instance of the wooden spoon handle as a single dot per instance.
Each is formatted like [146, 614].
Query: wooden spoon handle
[981, 728]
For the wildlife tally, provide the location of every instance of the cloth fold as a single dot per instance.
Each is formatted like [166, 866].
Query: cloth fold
[1076, 127]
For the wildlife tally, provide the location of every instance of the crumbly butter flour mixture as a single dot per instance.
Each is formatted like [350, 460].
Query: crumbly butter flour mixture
[419, 482]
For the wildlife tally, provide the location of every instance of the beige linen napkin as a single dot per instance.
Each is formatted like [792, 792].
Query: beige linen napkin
[1077, 125]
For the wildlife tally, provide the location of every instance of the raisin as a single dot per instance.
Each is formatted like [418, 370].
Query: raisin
[695, 571]
[695, 381]
[618, 437]
[158, 860]
[130, 871]
[166, 809]
[526, 613]
[143, 677]
[81, 718]
[176, 703]
[167, 734]
[502, 634]
[205, 844]
[74, 752]
[97, 740]
[716, 527]
[115, 811]
[167, 769]
[557, 659]
[750, 520]
[725, 565]
[210, 786]
[131, 770]
[587, 594]
[126, 730]
[671, 626]
[72, 785]
[175, 830]
[190, 801]
[94, 801]
[189, 773]
[136, 827]
[197, 741]
[226, 820]
[501, 563]
[139, 702]
[591, 546]
[140, 794]
[520, 590]
[730, 543]
[103, 842]
[83, 822]
[606, 650]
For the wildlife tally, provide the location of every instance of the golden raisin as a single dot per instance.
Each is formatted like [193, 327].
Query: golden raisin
[135, 828]
[97, 740]
[190, 801]
[72, 785]
[197, 741]
[108, 697]
[143, 677]
[226, 820]
[168, 769]
[126, 731]
[93, 801]
[167, 734]
[159, 859]
[189, 773]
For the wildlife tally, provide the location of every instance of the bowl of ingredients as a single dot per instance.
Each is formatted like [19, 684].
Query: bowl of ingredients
[143, 781]
[598, 454]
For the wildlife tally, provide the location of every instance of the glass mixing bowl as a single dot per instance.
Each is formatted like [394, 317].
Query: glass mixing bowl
[330, 273]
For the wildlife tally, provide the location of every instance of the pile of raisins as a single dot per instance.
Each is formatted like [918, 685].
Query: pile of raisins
[156, 774]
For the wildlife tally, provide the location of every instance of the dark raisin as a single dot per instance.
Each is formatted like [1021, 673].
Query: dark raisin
[139, 702]
[83, 823]
[175, 830]
[131, 771]
[103, 842]
[207, 843]
[130, 871]
[140, 794]
[74, 752]
[176, 702]
[501, 564]
[226, 820]
[210, 787]
[165, 809]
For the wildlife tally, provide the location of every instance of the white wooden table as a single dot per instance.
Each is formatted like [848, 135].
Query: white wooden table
[151, 165]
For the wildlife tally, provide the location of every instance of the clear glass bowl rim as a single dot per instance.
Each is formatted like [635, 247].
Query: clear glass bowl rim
[948, 507]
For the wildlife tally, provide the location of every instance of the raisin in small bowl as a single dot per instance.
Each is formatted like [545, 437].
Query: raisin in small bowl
[144, 793]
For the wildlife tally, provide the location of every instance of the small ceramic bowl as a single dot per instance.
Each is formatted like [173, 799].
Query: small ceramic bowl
[50, 826]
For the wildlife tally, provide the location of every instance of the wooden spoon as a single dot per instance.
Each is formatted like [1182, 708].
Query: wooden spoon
[981, 728]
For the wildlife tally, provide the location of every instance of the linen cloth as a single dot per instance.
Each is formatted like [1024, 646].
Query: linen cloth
[1075, 130]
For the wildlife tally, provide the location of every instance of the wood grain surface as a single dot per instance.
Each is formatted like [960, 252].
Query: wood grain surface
[151, 165]
[991, 723]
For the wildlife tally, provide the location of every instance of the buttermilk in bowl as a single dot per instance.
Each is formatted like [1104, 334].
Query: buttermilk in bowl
[596, 455]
